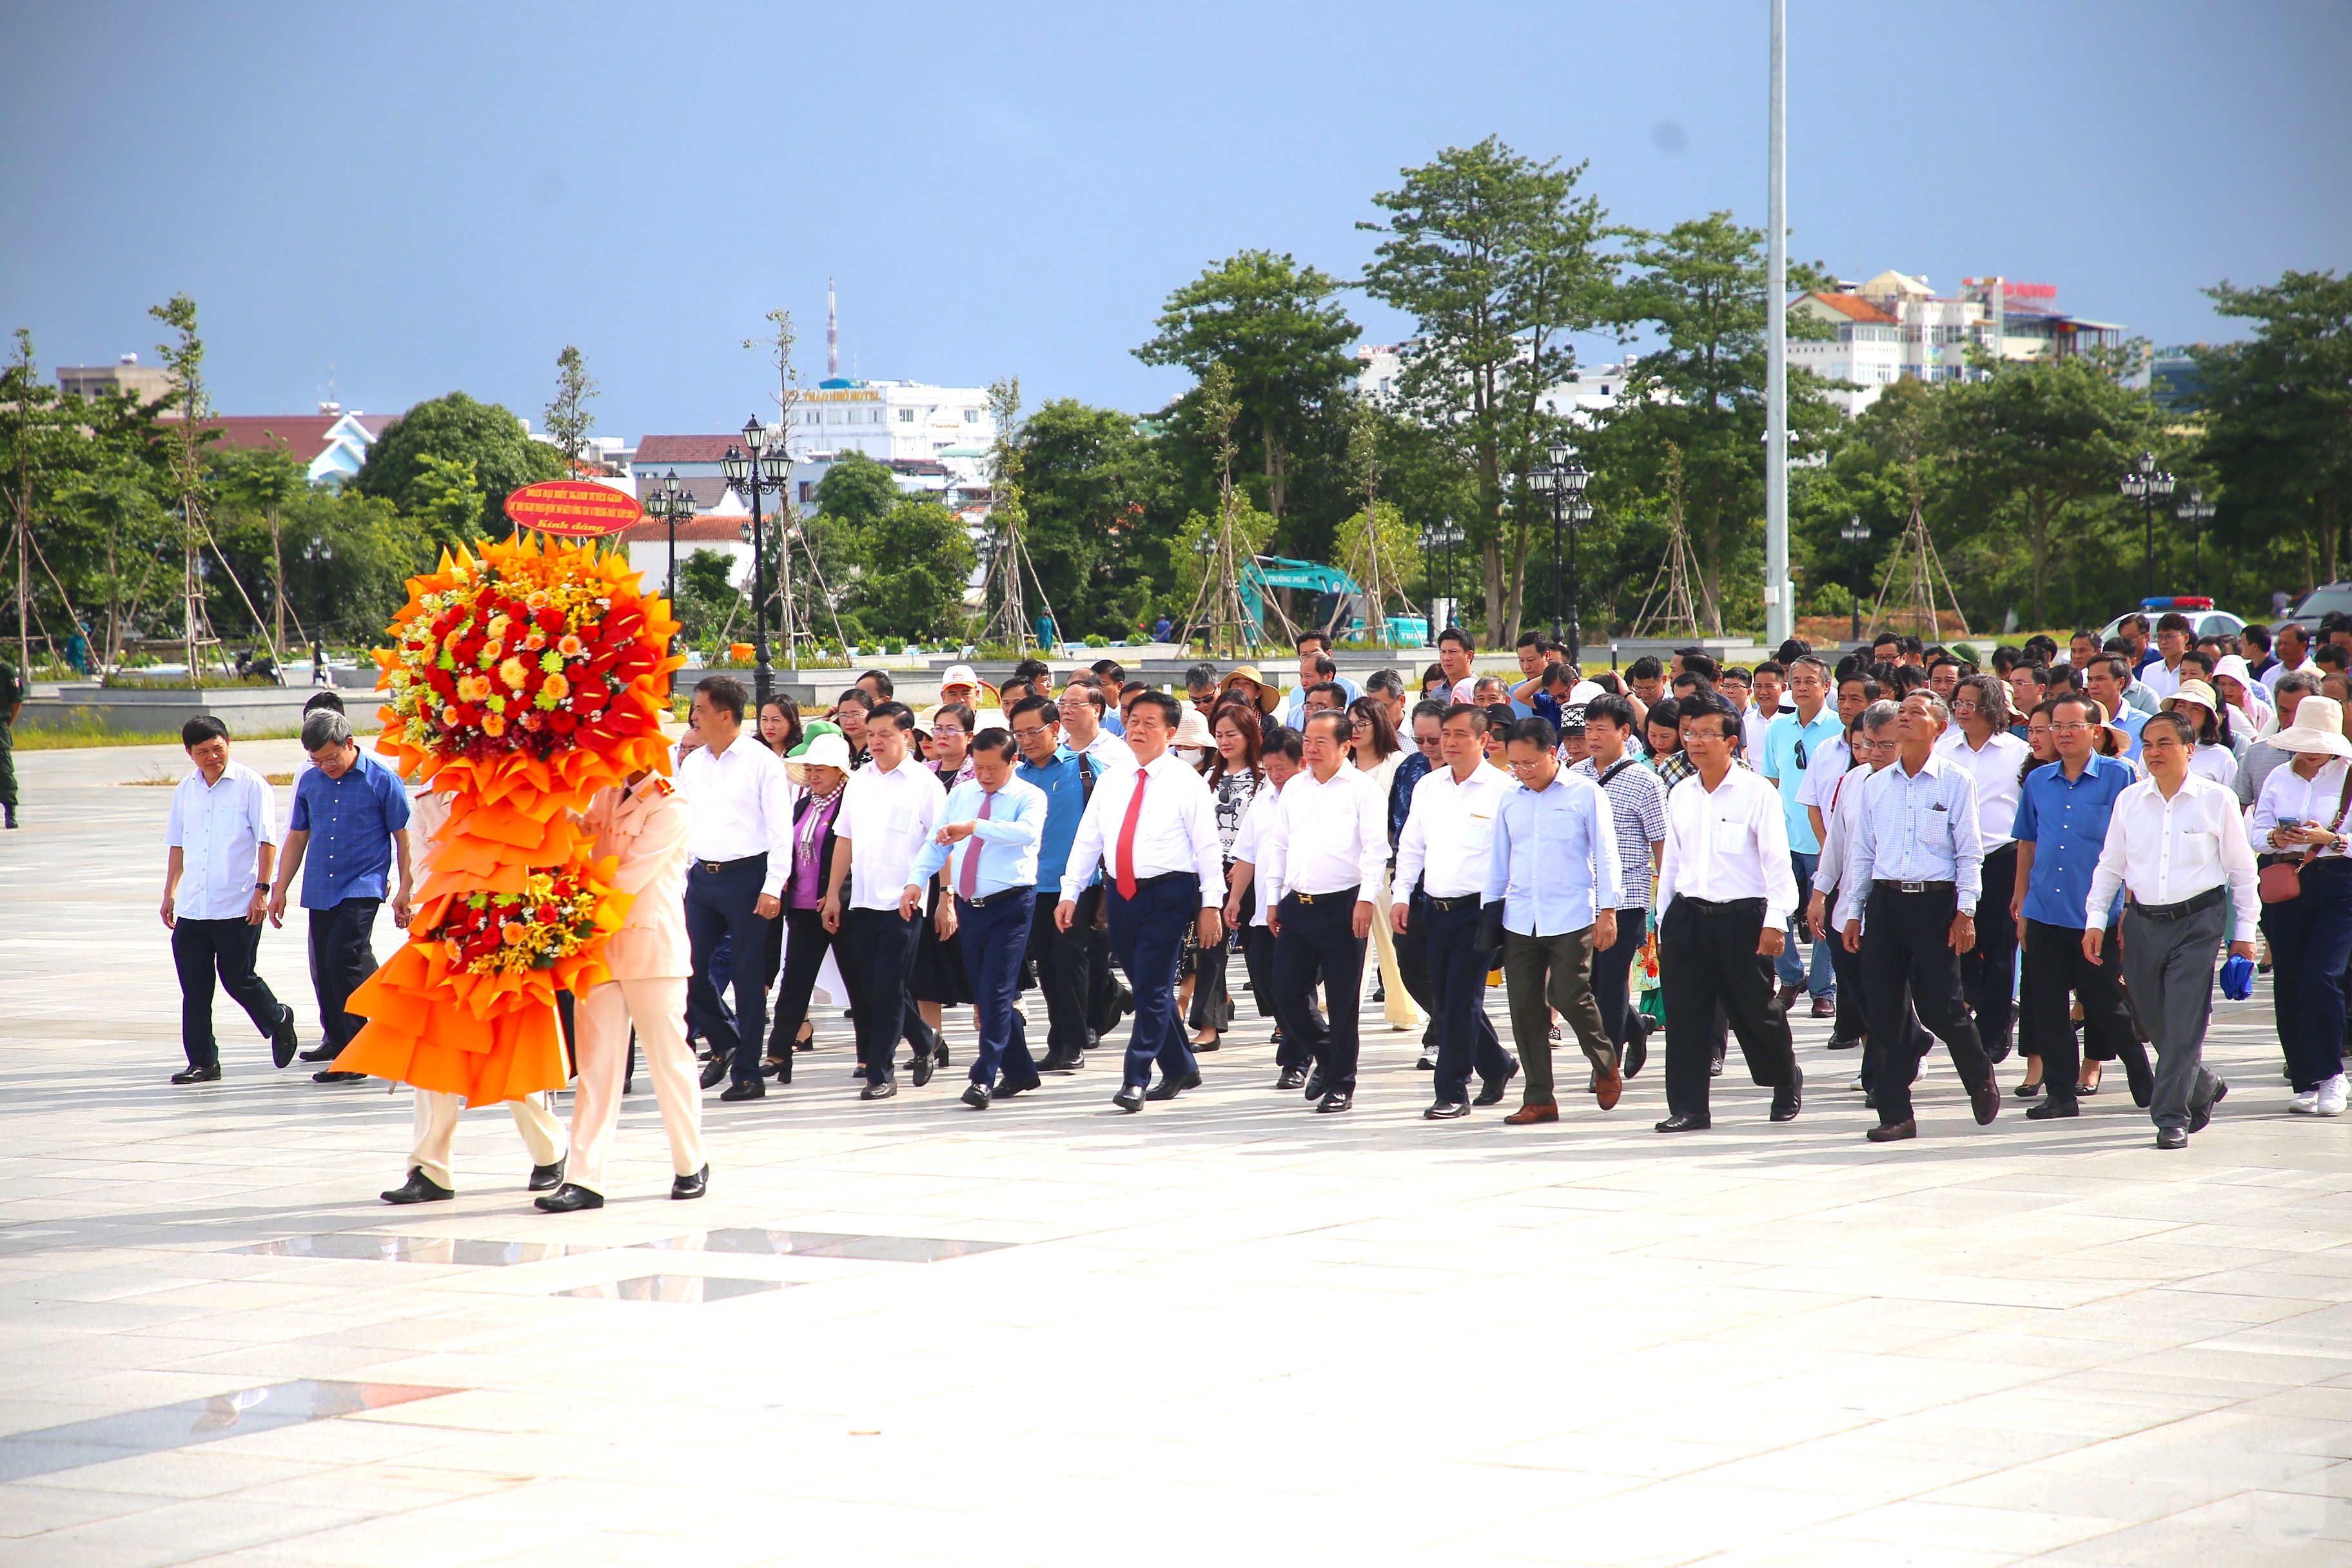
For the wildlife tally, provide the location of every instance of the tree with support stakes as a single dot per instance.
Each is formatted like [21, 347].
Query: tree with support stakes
[1009, 571]
[1677, 612]
[1218, 614]
[1371, 555]
[1915, 570]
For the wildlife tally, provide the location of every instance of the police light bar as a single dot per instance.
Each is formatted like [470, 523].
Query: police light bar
[2177, 601]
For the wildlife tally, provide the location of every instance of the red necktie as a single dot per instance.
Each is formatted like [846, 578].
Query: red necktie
[968, 878]
[1123, 863]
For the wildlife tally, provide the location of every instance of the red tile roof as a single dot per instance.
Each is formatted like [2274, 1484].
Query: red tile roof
[693, 531]
[684, 448]
[1857, 307]
[302, 435]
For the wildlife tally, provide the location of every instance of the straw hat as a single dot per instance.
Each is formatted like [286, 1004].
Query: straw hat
[2196, 692]
[817, 752]
[2318, 727]
[1193, 731]
[1268, 699]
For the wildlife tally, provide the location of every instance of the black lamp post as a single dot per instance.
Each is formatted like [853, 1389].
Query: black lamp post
[1856, 532]
[1561, 480]
[753, 477]
[672, 503]
[1440, 538]
[2147, 484]
[2196, 512]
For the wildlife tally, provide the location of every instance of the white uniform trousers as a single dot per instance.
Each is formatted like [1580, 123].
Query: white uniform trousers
[436, 1126]
[601, 1019]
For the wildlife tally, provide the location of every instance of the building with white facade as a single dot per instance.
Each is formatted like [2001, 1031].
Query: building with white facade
[1895, 325]
[886, 419]
[1587, 390]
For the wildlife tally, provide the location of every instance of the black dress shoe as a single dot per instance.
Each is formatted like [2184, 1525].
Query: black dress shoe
[1130, 1098]
[1998, 1054]
[684, 1188]
[750, 1089]
[419, 1188]
[569, 1199]
[1170, 1088]
[1215, 1042]
[323, 1053]
[2052, 1108]
[882, 1090]
[939, 1054]
[1008, 1088]
[2025, 1092]
[543, 1177]
[1893, 1132]
[976, 1095]
[1788, 1098]
[1338, 1100]
[1291, 1079]
[1985, 1099]
[922, 1068]
[2142, 1082]
[1315, 1083]
[2172, 1138]
[1492, 1090]
[1837, 1045]
[2200, 1115]
[281, 1039]
[1683, 1123]
[1637, 1054]
[198, 1075]
[331, 1076]
[1446, 1110]
[714, 1070]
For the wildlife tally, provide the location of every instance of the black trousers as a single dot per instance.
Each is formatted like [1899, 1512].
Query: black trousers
[1906, 945]
[884, 945]
[1466, 1041]
[2054, 967]
[1852, 1014]
[1319, 941]
[724, 904]
[1707, 960]
[1257, 953]
[1061, 960]
[1103, 987]
[1412, 968]
[343, 955]
[201, 949]
[1988, 970]
[806, 942]
[1612, 968]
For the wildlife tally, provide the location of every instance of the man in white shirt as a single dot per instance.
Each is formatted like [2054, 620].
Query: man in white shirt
[1726, 889]
[1916, 863]
[223, 841]
[2292, 654]
[1326, 855]
[1980, 744]
[1315, 667]
[1245, 902]
[1083, 707]
[740, 852]
[1153, 828]
[2175, 843]
[1448, 838]
[889, 811]
[2173, 634]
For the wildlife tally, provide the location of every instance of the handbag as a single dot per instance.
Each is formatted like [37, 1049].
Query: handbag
[2282, 880]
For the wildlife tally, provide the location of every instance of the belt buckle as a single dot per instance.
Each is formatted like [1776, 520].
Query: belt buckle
[1304, 898]
[712, 867]
[1914, 886]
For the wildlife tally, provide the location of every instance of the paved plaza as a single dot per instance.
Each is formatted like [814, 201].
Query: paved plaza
[1223, 1332]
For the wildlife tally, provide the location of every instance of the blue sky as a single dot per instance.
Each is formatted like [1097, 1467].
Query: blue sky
[415, 198]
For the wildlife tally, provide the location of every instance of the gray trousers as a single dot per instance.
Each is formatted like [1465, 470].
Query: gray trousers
[2168, 974]
[1548, 975]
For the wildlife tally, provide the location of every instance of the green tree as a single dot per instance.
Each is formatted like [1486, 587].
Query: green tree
[457, 428]
[1495, 257]
[913, 563]
[2278, 411]
[1097, 497]
[251, 491]
[446, 500]
[1274, 324]
[568, 422]
[856, 492]
[709, 603]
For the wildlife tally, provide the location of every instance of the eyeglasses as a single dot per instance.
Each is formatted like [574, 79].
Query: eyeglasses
[2074, 729]
[1030, 733]
[947, 732]
[1527, 765]
[1428, 740]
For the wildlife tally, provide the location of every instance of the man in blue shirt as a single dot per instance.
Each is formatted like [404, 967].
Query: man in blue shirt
[987, 842]
[1790, 742]
[1066, 780]
[350, 816]
[2062, 823]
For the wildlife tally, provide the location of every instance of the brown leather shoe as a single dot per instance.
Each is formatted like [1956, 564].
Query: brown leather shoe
[1607, 1087]
[1893, 1132]
[1528, 1115]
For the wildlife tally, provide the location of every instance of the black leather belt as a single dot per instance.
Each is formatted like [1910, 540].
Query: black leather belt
[1459, 902]
[1741, 905]
[1340, 896]
[2181, 911]
[998, 897]
[1895, 887]
[716, 867]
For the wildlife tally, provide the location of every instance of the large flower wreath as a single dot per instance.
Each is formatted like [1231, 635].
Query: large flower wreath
[519, 684]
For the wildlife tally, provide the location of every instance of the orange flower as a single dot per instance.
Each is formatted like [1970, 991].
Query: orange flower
[555, 689]
[570, 647]
[513, 933]
[493, 725]
[449, 718]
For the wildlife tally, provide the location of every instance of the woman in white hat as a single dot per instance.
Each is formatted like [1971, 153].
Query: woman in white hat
[821, 767]
[2215, 757]
[2299, 820]
[2254, 716]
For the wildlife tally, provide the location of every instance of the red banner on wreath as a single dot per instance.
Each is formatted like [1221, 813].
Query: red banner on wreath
[576, 508]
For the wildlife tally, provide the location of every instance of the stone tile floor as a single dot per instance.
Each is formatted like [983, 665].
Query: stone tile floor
[1225, 1328]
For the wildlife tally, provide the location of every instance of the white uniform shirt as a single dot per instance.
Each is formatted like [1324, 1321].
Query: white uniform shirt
[2160, 682]
[218, 830]
[1249, 845]
[1993, 771]
[1830, 762]
[1840, 809]
[1449, 831]
[743, 806]
[887, 817]
[2278, 671]
[1331, 836]
[1915, 827]
[1109, 751]
[1176, 831]
[1730, 843]
[2167, 851]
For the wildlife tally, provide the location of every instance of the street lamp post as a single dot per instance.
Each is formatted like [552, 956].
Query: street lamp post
[1440, 537]
[2147, 484]
[1857, 532]
[1562, 479]
[2196, 512]
[672, 503]
[752, 476]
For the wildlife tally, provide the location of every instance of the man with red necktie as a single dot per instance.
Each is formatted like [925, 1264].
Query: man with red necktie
[1166, 872]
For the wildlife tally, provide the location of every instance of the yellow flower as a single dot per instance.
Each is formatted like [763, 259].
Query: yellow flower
[514, 673]
[492, 650]
[400, 677]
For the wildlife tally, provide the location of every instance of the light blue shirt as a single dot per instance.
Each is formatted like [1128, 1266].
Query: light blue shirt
[1005, 840]
[1784, 737]
[1555, 857]
[1916, 827]
[1294, 702]
[2131, 720]
[1065, 802]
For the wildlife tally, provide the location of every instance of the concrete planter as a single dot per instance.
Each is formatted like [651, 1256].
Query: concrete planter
[247, 710]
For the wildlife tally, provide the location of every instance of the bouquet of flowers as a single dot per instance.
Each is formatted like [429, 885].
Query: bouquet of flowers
[506, 933]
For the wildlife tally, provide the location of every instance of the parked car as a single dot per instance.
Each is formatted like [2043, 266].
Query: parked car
[2325, 599]
[2206, 621]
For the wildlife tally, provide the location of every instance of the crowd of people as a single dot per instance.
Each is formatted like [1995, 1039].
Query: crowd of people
[2057, 856]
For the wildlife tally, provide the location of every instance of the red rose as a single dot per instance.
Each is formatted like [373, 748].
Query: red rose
[560, 722]
[551, 621]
